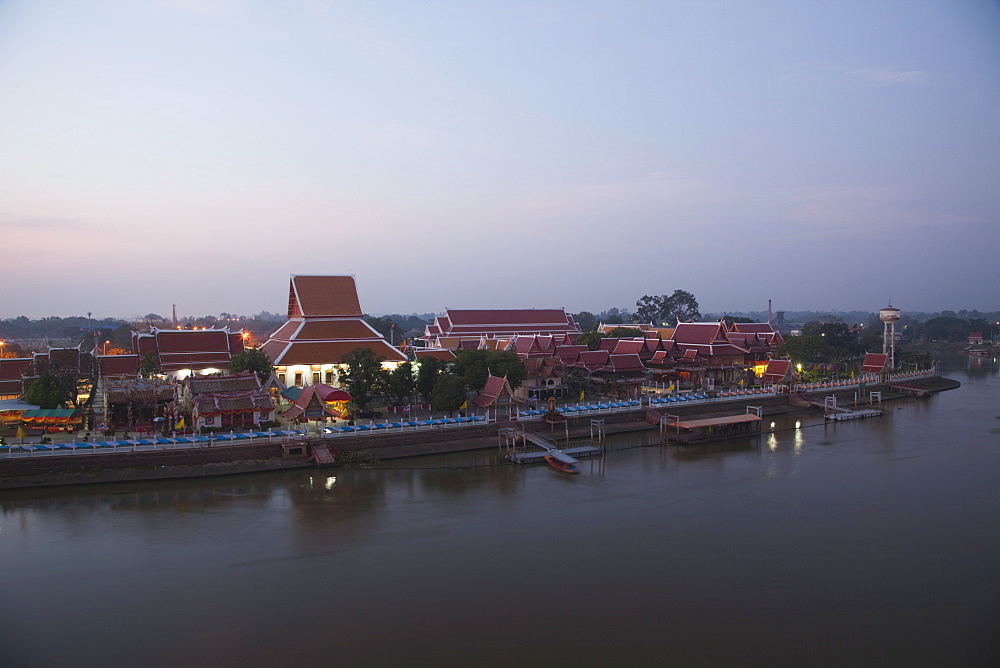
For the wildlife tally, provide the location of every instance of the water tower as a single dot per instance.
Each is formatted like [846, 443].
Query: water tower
[889, 316]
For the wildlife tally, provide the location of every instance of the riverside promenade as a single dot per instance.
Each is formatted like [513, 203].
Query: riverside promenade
[140, 459]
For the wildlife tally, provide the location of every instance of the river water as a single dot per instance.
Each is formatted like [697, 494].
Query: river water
[875, 541]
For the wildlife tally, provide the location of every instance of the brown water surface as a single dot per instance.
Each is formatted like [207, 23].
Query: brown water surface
[875, 541]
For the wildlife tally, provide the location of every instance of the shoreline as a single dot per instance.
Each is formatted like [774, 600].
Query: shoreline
[21, 474]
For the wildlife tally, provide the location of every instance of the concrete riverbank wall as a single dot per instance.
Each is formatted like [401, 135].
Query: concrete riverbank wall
[263, 456]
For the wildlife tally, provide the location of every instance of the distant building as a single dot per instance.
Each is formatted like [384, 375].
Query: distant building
[459, 329]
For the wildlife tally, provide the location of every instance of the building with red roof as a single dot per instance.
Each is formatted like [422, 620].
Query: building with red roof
[457, 325]
[325, 323]
[235, 401]
[183, 352]
[874, 363]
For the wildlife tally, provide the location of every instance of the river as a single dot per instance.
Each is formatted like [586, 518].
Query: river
[876, 541]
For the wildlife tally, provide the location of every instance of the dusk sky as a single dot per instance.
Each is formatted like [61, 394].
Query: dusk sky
[825, 155]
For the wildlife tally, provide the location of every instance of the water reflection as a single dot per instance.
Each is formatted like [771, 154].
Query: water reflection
[742, 551]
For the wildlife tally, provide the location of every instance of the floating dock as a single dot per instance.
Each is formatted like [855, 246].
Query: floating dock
[545, 445]
[854, 415]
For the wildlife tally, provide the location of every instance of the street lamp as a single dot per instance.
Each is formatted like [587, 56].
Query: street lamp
[2, 344]
[105, 347]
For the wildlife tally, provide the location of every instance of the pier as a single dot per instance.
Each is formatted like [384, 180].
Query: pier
[509, 437]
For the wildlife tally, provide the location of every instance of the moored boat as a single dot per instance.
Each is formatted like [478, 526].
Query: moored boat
[561, 464]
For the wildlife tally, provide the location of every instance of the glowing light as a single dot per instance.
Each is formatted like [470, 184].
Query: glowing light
[798, 424]
[772, 425]
[330, 482]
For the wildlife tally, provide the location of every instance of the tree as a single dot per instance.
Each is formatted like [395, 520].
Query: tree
[586, 320]
[805, 348]
[384, 326]
[427, 375]
[681, 306]
[149, 365]
[591, 339]
[448, 393]
[364, 376]
[649, 309]
[252, 359]
[475, 365]
[48, 391]
[400, 383]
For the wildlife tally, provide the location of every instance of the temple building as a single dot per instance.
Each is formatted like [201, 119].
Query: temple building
[183, 352]
[235, 401]
[460, 329]
[325, 323]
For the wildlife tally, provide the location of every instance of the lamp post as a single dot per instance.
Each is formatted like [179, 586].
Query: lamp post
[105, 347]
[2, 344]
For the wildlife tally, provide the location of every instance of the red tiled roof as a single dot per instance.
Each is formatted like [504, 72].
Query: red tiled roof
[319, 330]
[494, 388]
[326, 352]
[607, 344]
[690, 354]
[438, 353]
[874, 363]
[12, 368]
[118, 365]
[629, 347]
[625, 363]
[777, 370]
[323, 296]
[570, 354]
[192, 341]
[660, 357]
[699, 332]
[517, 317]
[753, 328]
[593, 359]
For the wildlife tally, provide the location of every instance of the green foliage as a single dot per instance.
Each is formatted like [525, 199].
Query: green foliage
[427, 375]
[385, 326]
[475, 365]
[448, 393]
[400, 383]
[48, 391]
[252, 359]
[591, 339]
[149, 365]
[805, 348]
[835, 334]
[586, 320]
[681, 306]
[365, 377]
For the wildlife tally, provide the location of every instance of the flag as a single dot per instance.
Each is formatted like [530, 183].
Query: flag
[180, 424]
[464, 405]
[671, 388]
[407, 409]
[100, 427]
[581, 395]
